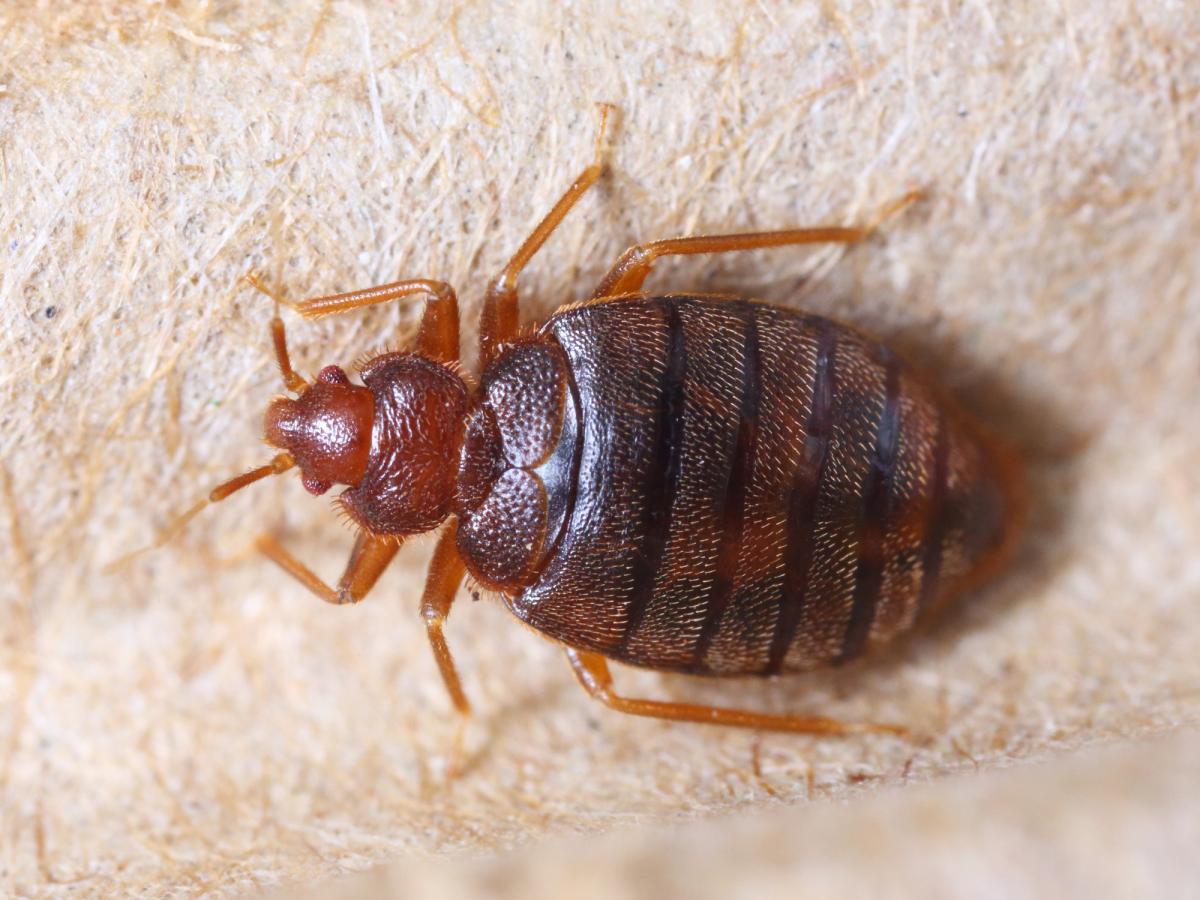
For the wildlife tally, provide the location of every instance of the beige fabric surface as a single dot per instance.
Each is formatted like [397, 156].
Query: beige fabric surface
[1115, 823]
[196, 722]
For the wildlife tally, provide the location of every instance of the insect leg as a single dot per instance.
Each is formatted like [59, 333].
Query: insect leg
[631, 268]
[370, 556]
[591, 669]
[438, 335]
[499, 320]
[446, 572]
[293, 381]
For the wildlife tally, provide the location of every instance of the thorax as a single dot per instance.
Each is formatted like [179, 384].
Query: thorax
[516, 465]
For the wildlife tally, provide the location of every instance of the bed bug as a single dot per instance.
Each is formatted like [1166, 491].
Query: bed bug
[683, 482]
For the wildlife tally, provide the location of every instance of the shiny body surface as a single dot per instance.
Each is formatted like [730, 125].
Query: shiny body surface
[720, 486]
[691, 483]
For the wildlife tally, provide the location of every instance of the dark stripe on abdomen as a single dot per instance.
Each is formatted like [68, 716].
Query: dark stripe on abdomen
[802, 504]
[741, 468]
[868, 580]
[662, 475]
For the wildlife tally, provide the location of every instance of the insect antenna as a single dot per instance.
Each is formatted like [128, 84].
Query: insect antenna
[278, 464]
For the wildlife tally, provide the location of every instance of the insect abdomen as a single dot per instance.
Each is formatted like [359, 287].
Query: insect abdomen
[757, 491]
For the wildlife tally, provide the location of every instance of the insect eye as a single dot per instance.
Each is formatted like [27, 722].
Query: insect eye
[315, 486]
[333, 375]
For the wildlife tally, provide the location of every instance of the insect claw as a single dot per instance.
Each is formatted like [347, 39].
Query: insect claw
[251, 278]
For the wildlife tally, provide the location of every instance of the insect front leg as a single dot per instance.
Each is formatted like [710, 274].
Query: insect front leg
[499, 319]
[437, 337]
[370, 557]
[591, 669]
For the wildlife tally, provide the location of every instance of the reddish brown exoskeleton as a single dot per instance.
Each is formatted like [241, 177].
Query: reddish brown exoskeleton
[685, 482]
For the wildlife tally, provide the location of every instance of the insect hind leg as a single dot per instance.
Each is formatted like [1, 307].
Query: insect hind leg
[591, 669]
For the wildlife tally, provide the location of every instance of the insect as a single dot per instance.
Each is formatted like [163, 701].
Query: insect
[683, 482]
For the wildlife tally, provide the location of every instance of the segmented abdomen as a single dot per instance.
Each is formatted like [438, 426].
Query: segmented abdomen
[756, 491]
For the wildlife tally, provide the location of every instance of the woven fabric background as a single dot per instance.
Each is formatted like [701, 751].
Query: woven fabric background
[196, 722]
[1119, 822]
